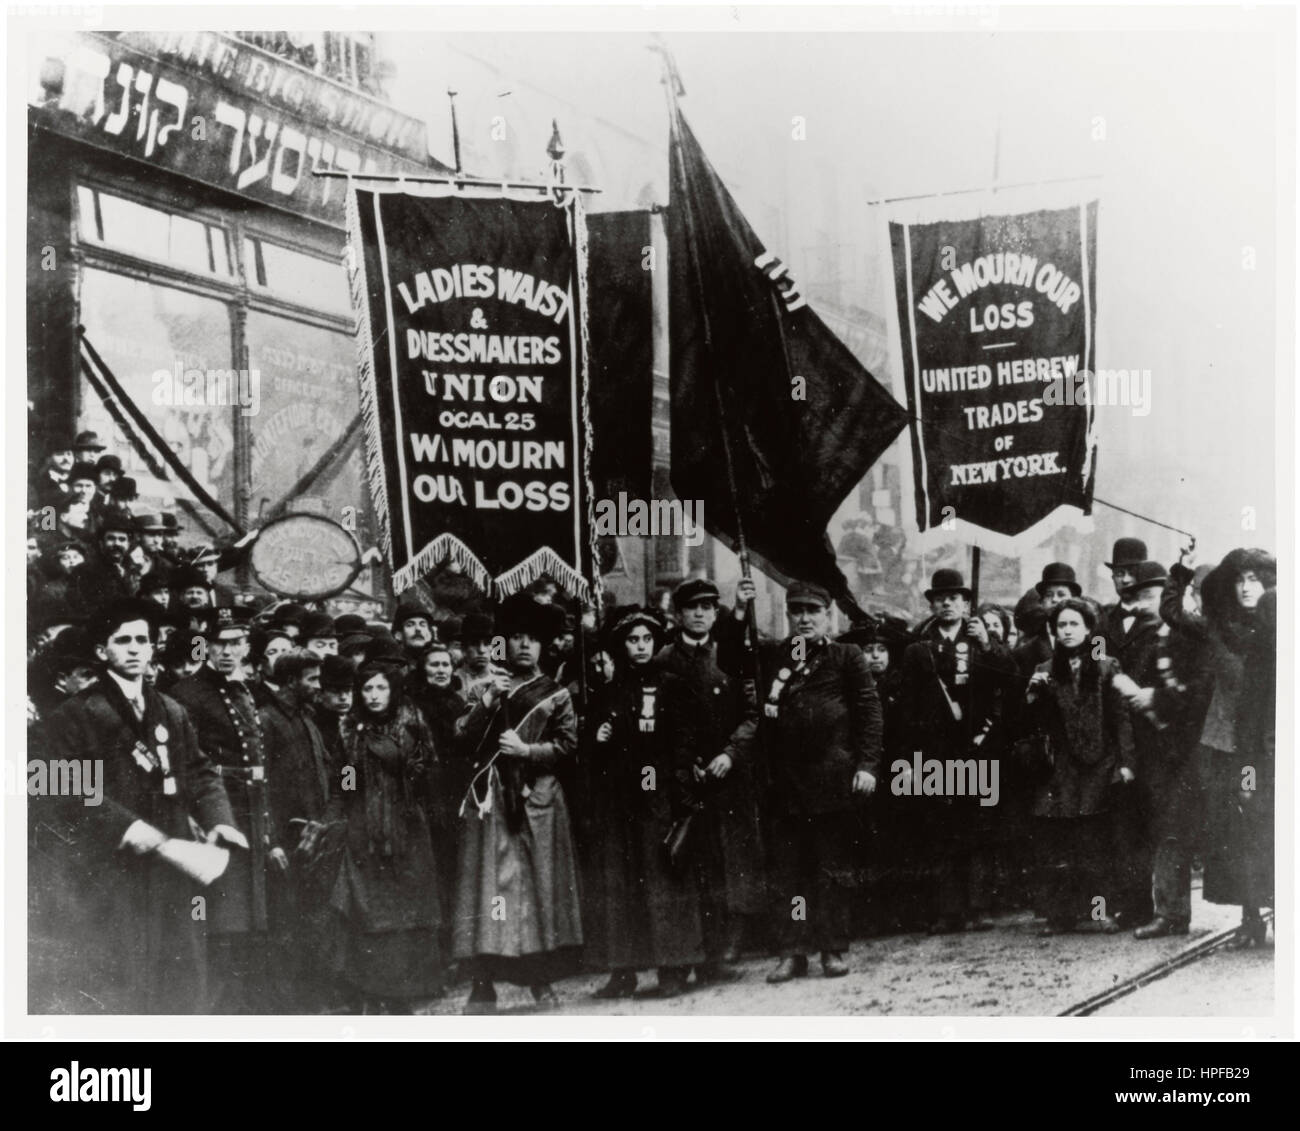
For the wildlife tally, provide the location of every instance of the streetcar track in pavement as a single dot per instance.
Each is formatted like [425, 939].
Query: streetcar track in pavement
[1188, 957]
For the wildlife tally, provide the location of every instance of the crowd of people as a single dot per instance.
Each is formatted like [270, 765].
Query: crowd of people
[523, 794]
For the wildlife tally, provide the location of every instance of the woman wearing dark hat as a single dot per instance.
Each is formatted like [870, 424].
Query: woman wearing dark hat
[643, 908]
[517, 913]
[1230, 670]
[386, 893]
[1074, 703]
[955, 684]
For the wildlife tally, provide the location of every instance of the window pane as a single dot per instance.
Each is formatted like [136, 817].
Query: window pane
[189, 245]
[140, 230]
[316, 283]
[253, 265]
[144, 332]
[152, 233]
[86, 208]
[220, 250]
[308, 386]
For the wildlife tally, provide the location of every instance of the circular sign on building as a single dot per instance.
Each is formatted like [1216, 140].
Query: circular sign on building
[305, 556]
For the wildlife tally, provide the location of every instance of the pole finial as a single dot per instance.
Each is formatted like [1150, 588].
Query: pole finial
[555, 148]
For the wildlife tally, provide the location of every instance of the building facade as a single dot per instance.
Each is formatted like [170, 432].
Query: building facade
[176, 225]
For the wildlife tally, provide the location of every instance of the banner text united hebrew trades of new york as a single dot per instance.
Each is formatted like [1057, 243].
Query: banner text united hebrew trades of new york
[997, 318]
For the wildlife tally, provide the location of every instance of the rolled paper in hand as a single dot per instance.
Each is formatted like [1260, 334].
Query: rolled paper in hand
[200, 862]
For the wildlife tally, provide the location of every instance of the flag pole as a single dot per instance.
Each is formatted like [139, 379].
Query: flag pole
[672, 82]
[455, 130]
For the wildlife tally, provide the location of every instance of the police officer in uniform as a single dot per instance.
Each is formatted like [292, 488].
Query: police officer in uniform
[230, 734]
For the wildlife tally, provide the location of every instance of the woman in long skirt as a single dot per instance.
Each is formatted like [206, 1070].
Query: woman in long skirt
[1233, 678]
[1075, 709]
[517, 916]
[386, 892]
[644, 909]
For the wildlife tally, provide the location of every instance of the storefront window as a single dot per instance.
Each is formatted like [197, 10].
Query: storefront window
[308, 401]
[148, 334]
[319, 284]
[151, 233]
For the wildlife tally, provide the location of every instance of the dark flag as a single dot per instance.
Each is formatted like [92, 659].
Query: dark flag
[760, 383]
[622, 354]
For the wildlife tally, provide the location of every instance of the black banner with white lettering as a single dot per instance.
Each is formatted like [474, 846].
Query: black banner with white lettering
[997, 318]
[473, 385]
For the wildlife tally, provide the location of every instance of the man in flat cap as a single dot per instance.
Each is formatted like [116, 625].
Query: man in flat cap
[210, 561]
[955, 681]
[230, 733]
[731, 873]
[125, 916]
[821, 728]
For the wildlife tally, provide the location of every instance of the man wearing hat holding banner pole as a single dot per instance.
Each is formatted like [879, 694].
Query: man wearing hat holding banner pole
[732, 870]
[954, 683]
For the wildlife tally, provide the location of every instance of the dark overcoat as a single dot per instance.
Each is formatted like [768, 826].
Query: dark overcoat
[230, 734]
[638, 911]
[129, 936]
[732, 806]
[826, 726]
[1090, 737]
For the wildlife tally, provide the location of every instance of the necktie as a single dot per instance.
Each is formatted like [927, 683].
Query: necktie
[137, 705]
